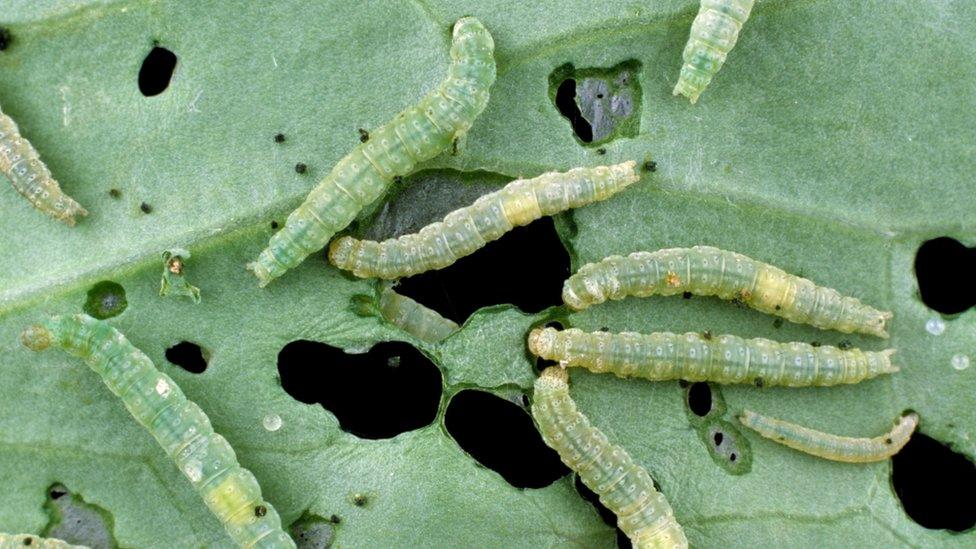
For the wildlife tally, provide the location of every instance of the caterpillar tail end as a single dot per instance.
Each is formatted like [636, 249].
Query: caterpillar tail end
[36, 337]
[74, 209]
[682, 88]
[262, 272]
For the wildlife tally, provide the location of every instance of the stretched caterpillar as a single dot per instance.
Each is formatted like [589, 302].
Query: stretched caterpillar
[173, 280]
[623, 486]
[180, 426]
[705, 270]
[465, 230]
[713, 35]
[833, 447]
[20, 541]
[721, 359]
[22, 165]
[419, 133]
[415, 319]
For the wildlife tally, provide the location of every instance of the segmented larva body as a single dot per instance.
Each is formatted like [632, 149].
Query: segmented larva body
[833, 447]
[721, 359]
[179, 425]
[713, 35]
[419, 133]
[464, 231]
[423, 323]
[622, 485]
[20, 541]
[705, 270]
[22, 165]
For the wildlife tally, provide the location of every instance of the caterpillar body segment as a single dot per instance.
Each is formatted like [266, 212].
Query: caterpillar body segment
[28, 541]
[464, 231]
[833, 447]
[622, 485]
[412, 317]
[178, 425]
[417, 134]
[705, 270]
[721, 359]
[714, 33]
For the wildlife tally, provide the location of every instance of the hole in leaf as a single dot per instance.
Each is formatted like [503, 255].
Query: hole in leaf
[188, 356]
[945, 270]
[77, 522]
[601, 104]
[156, 71]
[566, 104]
[500, 435]
[313, 532]
[5, 38]
[623, 542]
[391, 389]
[700, 398]
[105, 300]
[933, 484]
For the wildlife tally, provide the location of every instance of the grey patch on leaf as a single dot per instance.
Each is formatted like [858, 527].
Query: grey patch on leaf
[313, 532]
[77, 522]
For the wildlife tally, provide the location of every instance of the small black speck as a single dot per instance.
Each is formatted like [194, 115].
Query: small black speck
[260, 511]
[650, 166]
[814, 343]
[146, 208]
[718, 438]
[301, 167]
[686, 295]
[759, 382]
[274, 225]
[57, 493]
[604, 329]
[359, 500]
[887, 441]
[777, 323]
[28, 541]
[279, 138]
[845, 345]
[778, 307]
[114, 193]
[363, 135]
[454, 148]
[732, 458]
[707, 335]
[397, 179]
[335, 519]
[599, 96]
[601, 151]
[5, 38]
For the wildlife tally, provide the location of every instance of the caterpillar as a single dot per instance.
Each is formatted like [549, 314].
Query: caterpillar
[22, 165]
[833, 447]
[713, 35]
[173, 280]
[417, 320]
[20, 541]
[465, 230]
[622, 485]
[705, 270]
[722, 359]
[178, 425]
[419, 133]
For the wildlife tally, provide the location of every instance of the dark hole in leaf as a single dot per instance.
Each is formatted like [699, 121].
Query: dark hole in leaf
[526, 268]
[566, 104]
[718, 438]
[313, 532]
[945, 270]
[146, 208]
[700, 399]
[623, 542]
[500, 435]
[732, 457]
[933, 484]
[105, 300]
[188, 356]
[5, 38]
[156, 71]
[369, 395]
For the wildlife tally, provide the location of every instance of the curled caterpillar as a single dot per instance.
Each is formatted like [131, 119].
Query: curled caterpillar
[833, 447]
[180, 426]
[713, 35]
[22, 165]
[419, 133]
[173, 280]
[465, 230]
[20, 541]
[705, 270]
[622, 485]
[721, 359]
[417, 320]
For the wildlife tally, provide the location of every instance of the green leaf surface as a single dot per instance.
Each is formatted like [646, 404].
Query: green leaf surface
[837, 138]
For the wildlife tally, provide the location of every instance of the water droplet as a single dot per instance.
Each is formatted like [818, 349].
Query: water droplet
[272, 422]
[960, 361]
[935, 326]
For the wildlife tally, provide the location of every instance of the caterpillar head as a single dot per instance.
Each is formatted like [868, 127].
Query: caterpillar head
[36, 337]
[541, 342]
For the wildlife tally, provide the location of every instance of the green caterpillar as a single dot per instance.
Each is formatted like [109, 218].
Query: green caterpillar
[20, 541]
[713, 35]
[415, 319]
[466, 230]
[721, 359]
[705, 270]
[22, 165]
[622, 485]
[419, 133]
[180, 426]
[833, 447]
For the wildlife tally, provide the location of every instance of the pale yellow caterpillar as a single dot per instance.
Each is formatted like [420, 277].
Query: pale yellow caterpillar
[466, 230]
[415, 319]
[419, 133]
[833, 447]
[705, 270]
[22, 165]
[721, 358]
[622, 485]
[180, 426]
[713, 35]
[27, 541]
